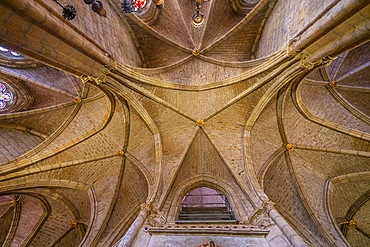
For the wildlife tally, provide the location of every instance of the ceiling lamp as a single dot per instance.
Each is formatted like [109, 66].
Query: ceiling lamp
[97, 7]
[159, 4]
[129, 6]
[70, 12]
[198, 17]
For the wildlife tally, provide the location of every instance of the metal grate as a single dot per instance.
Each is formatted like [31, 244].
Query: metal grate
[205, 208]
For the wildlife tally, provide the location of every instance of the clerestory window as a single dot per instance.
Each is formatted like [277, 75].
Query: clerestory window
[205, 205]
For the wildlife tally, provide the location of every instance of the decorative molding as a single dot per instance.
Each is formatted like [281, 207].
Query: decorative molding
[18, 62]
[306, 64]
[104, 71]
[304, 57]
[233, 230]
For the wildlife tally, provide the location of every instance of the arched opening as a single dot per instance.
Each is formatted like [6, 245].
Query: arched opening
[205, 205]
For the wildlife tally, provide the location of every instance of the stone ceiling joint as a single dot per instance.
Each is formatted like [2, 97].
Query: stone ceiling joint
[289, 147]
[200, 122]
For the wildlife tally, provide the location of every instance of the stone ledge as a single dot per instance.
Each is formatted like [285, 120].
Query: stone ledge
[245, 230]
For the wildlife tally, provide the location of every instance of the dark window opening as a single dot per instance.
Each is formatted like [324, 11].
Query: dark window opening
[205, 205]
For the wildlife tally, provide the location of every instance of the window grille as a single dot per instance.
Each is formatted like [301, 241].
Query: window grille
[205, 205]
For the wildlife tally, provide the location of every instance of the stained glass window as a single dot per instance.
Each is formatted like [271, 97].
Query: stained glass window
[129, 6]
[139, 4]
[6, 97]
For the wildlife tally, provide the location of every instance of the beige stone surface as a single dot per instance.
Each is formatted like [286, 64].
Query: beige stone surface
[115, 119]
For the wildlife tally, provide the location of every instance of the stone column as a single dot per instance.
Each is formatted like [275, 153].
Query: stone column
[135, 227]
[288, 231]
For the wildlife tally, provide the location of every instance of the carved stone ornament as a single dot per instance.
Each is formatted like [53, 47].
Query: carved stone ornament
[261, 217]
[146, 207]
[306, 64]
[352, 223]
[290, 49]
[304, 57]
[332, 83]
[96, 80]
[200, 122]
[156, 219]
[289, 147]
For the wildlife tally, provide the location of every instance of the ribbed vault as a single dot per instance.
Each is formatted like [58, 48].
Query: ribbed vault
[115, 119]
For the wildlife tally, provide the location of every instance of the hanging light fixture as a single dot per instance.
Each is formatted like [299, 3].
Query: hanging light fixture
[198, 17]
[97, 7]
[69, 11]
[159, 4]
[127, 6]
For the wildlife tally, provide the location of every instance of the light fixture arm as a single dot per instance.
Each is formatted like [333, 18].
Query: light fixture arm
[69, 11]
[198, 17]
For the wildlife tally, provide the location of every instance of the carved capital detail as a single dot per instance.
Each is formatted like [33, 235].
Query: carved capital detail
[290, 49]
[156, 218]
[261, 217]
[304, 57]
[100, 79]
[107, 69]
[306, 64]
[96, 80]
[269, 205]
[146, 207]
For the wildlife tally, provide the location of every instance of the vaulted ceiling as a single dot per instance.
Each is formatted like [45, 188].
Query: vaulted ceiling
[265, 101]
